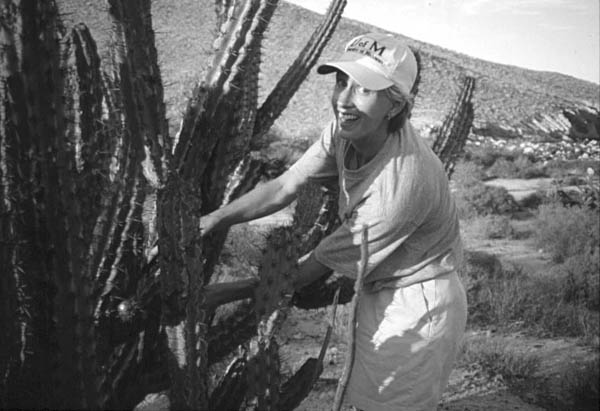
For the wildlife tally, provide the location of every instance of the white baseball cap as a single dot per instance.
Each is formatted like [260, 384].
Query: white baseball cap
[376, 61]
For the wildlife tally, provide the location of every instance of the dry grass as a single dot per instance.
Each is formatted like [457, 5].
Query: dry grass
[512, 300]
[499, 357]
[492, 227]
[581, 384]
[567, 231]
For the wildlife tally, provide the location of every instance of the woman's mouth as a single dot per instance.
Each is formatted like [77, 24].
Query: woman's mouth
[347, 119]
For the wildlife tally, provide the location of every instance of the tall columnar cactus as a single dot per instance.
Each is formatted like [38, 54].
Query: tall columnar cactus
[95, 315]
[81, 150]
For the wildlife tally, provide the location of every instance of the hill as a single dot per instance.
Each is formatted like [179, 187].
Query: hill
[510, 102]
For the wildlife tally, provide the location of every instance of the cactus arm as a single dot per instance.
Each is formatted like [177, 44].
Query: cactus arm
[223, 10]
[13, 341]
[239, 102]
[229, 392]
[236, 114]
[229, 43]
[191, 158]
[84, 131]
[297, 72]
[230, 332]
[118, 270]
[236, 106]
[221, 293]
[146, 142]
[83, 111]
[83, 91]
[123, 225]
[277, 273]
[298, 386]
[74, 370]
[183, 318]
[139, 62]
[454, 132]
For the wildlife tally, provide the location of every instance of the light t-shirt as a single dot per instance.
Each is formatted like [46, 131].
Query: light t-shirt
[402, 196]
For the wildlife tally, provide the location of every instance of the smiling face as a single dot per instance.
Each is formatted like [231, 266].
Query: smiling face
[361, 113]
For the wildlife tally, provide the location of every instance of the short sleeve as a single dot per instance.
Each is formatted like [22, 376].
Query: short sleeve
[319, 161]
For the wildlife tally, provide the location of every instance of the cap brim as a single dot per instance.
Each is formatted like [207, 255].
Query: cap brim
[359, 73]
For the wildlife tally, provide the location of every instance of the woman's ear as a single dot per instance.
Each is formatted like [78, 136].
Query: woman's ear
[396, 109]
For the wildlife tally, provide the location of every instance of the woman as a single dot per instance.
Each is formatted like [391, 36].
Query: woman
[412, 315]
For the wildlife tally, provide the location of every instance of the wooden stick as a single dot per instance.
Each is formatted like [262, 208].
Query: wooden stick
[319, 368]
[358, 285]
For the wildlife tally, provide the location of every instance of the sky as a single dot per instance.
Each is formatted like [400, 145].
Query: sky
[551, 35]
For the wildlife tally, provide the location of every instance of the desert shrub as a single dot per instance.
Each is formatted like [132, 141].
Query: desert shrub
[567, 231]
[520, 166]
[499, 227]
[528, 167]
[571, 180]
[473, 198]
[580, 275]
[502, 167]
[564, 168]
[535, 199]
[550, 316]
[490, 227]
[581, 383]
[480, 199]
[486, 156]
[496, 301]
[479, 265]
[535, 171]
[478, 271]
[498, 357]
[467, 173]
[509, 298]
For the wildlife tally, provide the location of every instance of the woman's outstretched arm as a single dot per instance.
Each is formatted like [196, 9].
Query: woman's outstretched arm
[265, 199]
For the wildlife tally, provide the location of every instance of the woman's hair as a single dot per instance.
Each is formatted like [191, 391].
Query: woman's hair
[407, 101]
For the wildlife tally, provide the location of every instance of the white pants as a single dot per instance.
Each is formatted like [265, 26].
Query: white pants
[406, 342]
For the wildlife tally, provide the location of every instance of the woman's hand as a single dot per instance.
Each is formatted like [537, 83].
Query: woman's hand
[208, 224]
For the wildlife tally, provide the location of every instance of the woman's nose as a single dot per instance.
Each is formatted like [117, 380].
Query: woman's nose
[345, 97]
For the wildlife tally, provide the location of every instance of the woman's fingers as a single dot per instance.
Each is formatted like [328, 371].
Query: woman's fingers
[207, 224]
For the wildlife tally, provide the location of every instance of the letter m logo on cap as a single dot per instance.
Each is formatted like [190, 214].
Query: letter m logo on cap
[367, 46]
[377, 50]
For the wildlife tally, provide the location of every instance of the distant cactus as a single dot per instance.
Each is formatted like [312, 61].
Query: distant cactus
[94, 316]
[450, 140]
